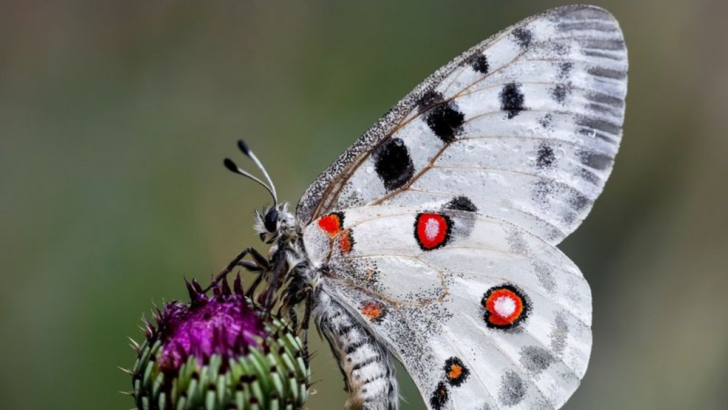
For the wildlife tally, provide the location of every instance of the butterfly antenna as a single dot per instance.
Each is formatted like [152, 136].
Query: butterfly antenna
[244, 148]
[230, 165]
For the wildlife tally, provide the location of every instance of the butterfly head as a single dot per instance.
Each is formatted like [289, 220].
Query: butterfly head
[274, 222]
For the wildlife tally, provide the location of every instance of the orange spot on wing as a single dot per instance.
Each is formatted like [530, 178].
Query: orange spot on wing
[373, 310]
[346, 242]
[455, 372]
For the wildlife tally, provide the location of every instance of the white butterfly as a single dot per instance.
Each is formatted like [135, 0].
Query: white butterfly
[432, 238]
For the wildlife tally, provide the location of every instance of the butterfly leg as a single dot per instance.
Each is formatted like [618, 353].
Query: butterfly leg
[296, 292]
[258, 264]
[280, 266]
[259, 259]
[227, 269]
[251, 289]
[305, 326]
[250, 266]
[293, 317]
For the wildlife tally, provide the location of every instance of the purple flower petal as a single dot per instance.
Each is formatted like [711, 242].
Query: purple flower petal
[221, 325]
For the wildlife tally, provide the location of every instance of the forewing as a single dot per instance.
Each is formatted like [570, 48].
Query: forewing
[482, 313]
[525, 126]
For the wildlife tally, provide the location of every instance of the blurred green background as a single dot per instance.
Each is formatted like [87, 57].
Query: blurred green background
[115, 116]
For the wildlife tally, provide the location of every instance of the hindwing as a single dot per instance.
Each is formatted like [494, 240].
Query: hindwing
[480, 311]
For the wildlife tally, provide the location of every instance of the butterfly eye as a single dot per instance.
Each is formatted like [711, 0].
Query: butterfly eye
[271, 220]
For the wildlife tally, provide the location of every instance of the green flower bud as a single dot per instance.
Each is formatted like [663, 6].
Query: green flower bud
[218, 353]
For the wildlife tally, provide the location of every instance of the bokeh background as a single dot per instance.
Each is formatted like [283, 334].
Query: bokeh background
[114, 118]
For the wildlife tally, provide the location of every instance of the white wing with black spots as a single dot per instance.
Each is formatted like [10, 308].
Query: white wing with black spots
[525, 125]
[482, 313]
[433, 236]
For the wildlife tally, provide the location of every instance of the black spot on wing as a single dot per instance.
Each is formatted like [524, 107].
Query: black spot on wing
[545, 276]
[512, 99]
[393, 164]
[461, 203]
[579, 201]
[557, 49]
[606, 55]
[559, 334]
[568, 217]
[445, 121]
[607, 100]
[512, 389]
[589, 176]
[604, 26]
[439, 397]
[608, 73]
[560, 92]
[609, 44]
[598, 125]
[546, 121]
[595, 160]
[565, 69]
[429, 99]
[479, 62]
[523, 37]
[543, 190]
[535, 359]
[545, 157]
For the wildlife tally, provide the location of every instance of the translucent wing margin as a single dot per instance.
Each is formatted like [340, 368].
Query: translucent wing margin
[483, 314]
[524, 125]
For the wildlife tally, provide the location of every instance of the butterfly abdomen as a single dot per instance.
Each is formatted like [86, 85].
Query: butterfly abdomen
[365, 363]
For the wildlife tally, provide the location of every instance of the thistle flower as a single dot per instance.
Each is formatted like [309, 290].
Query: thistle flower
[218, 352]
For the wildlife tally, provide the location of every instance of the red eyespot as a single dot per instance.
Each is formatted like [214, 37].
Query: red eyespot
[332, 223]
[432, 230]
[505, 306]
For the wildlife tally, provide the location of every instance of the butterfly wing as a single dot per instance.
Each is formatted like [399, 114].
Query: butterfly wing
[436, 229]
[482, 313]
[524, 125]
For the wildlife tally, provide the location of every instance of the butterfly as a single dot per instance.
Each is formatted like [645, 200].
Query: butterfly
[432, 239]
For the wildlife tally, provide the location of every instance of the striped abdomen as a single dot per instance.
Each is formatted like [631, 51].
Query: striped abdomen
[365, 363]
